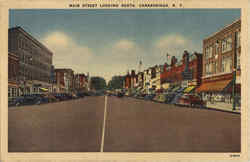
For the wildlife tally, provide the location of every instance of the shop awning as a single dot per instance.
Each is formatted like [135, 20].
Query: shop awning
[44, 89]
[216, 86]
[189, 89]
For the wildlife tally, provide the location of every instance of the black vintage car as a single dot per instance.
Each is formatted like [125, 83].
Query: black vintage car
[30, 99]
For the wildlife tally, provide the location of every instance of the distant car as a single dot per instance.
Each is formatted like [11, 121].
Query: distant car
[51, 98]
[176, 98]
[191, 100]
[164, 97]
[120, 94]
[149, 97]
[80, 94]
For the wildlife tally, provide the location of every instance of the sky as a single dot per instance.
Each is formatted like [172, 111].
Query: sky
[108, 42]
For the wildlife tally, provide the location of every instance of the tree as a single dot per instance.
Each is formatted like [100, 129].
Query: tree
[98, 83]
[116, 82]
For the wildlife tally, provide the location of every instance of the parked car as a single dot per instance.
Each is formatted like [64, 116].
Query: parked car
[191, 100]
[60, 96]
[30, 99]
[176, 98]
[164, 97]
[80, 94]
[149, 96]
[120, 94]
[51, 98]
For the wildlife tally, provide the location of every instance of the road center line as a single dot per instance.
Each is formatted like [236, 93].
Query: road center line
[104, 122]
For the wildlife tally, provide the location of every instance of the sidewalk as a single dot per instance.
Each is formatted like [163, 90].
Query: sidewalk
[223, 107]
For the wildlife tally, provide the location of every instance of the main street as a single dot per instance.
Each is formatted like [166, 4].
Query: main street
[112, 124]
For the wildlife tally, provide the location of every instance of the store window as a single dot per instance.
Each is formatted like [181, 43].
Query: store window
[13, 92]
[9, 92]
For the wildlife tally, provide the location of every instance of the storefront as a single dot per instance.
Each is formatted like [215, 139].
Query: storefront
[13, 90]
[219, 89]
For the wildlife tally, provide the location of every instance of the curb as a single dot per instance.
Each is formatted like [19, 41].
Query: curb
[204, 108]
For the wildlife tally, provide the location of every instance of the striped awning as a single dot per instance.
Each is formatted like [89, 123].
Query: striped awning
[189, 89]
[217, 86]
[44, 89]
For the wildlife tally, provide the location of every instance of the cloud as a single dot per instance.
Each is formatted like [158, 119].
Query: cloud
[124, 45]
[116, 57]
[174, 44]
[171, 40]
[67, 52]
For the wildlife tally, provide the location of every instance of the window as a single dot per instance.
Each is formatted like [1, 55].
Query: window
[238, 59]
[238, 38]
[227, 65]
[215, 67]
[208, 52]
[217, 48]
[208, 69]
[9, 89]
[227, 44]
[13, 92]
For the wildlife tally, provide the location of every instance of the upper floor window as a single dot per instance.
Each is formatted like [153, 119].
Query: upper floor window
[208, 52]
[238, 38]
[217, 48]
[227, 44]
[208, 69]
[238, 59]
[227, 65]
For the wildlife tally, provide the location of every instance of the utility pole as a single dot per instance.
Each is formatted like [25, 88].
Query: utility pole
[234, 71]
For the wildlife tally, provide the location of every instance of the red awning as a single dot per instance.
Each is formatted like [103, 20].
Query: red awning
[216, 86]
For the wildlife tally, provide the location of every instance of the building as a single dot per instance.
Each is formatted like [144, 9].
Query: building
[80, 82]
[13, 69]
[146, 81]
[220, 62]
[185, 73]
[35, 61]
[140, 80]
[64, 80]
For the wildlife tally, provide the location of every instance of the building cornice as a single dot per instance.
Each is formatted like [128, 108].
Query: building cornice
[225, 28]
[20, 29]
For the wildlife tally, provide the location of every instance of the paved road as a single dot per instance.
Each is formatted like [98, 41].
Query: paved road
[131, 125]
[146, 126]
[61, 127]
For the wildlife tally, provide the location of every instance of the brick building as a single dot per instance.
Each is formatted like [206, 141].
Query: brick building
[64, 80]
[35, 60]
[221, 59]
[13, 69]
[185, 73]
[128, 81]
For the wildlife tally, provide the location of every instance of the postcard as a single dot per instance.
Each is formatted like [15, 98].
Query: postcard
[123, 80]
